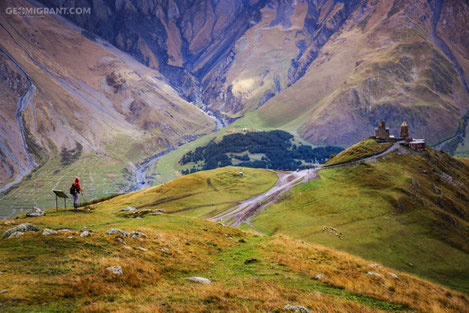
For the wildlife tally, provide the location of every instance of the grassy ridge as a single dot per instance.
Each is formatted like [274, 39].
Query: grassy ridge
[69, 274]
[400, 211]
[363, 149]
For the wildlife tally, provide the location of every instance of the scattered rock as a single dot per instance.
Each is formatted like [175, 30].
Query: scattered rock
[22, 228]
[129, 209]
[70, 237]
[85, 234]
[156, 213]
[115, 270]
[47, 232]
[159, 210]
[410, 264]
[200, 280]
[65, 230]
[84, 228]
[3, 291]
[375, 274]
[35, 212]
[295, 308]
[128, 247]
[141, 249]
[121, 240]
[136, 234]
[394, 275]
[165, 250]
[9, 222]
[374, 265]
[114, 231]
[319, 277]
[249, 261]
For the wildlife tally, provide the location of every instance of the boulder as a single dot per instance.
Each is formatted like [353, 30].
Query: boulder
[129, 209]
[200, 280]
[35, 212]
[26, 227]
[115, 269]
[136, 234]
[375, 274]
[114, 231]
[47, 232]
[394, 275]
[85, 234]
[319, 277]
[295, 308]
[15, 234]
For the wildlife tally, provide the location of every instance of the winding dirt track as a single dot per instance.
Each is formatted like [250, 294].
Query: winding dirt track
[247, 209]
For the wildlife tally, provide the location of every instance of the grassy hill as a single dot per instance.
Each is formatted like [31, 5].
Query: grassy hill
[408, 212]
[249, 272]
[363, 149]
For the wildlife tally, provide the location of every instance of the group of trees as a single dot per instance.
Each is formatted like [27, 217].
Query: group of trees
[276, 147]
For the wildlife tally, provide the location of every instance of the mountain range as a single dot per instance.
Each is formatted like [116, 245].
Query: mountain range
[102, 95]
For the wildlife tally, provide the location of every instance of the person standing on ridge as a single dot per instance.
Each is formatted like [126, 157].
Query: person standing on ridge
[74, 191]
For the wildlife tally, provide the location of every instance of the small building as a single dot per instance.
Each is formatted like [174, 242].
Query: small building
[417, 145]
[382, 132]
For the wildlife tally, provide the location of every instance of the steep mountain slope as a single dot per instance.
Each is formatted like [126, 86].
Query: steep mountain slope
[248, 272]
[382, 65]
[67, 97]
[331, 69]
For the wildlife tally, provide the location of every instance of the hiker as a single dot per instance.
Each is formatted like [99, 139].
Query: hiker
[74, 191]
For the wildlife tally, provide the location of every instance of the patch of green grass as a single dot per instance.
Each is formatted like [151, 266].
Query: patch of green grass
[387, 211]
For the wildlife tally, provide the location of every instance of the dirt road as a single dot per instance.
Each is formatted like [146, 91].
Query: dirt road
[249, 208]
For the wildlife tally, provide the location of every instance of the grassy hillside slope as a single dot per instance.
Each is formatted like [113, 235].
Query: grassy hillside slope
[363, 149]
[409, 212]
[250, 273]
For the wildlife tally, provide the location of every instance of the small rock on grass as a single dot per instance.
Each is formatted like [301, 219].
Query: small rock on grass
[84, 228]
[22, 228]
[85, 234]
[47, 232]
[319, 277]
[141, 249]
[129, 209]
[114, 231]
[35, 212]
[394, 275]
[295, 308]
[136, 234]
[375, 274]
[115, 269]
[200, 280]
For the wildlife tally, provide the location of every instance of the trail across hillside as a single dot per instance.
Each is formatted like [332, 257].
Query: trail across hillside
[247, 209]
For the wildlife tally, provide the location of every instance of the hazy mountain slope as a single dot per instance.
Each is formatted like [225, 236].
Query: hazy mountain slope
[402, 210]
[248, 272]
[83, 95]
[364, 60]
